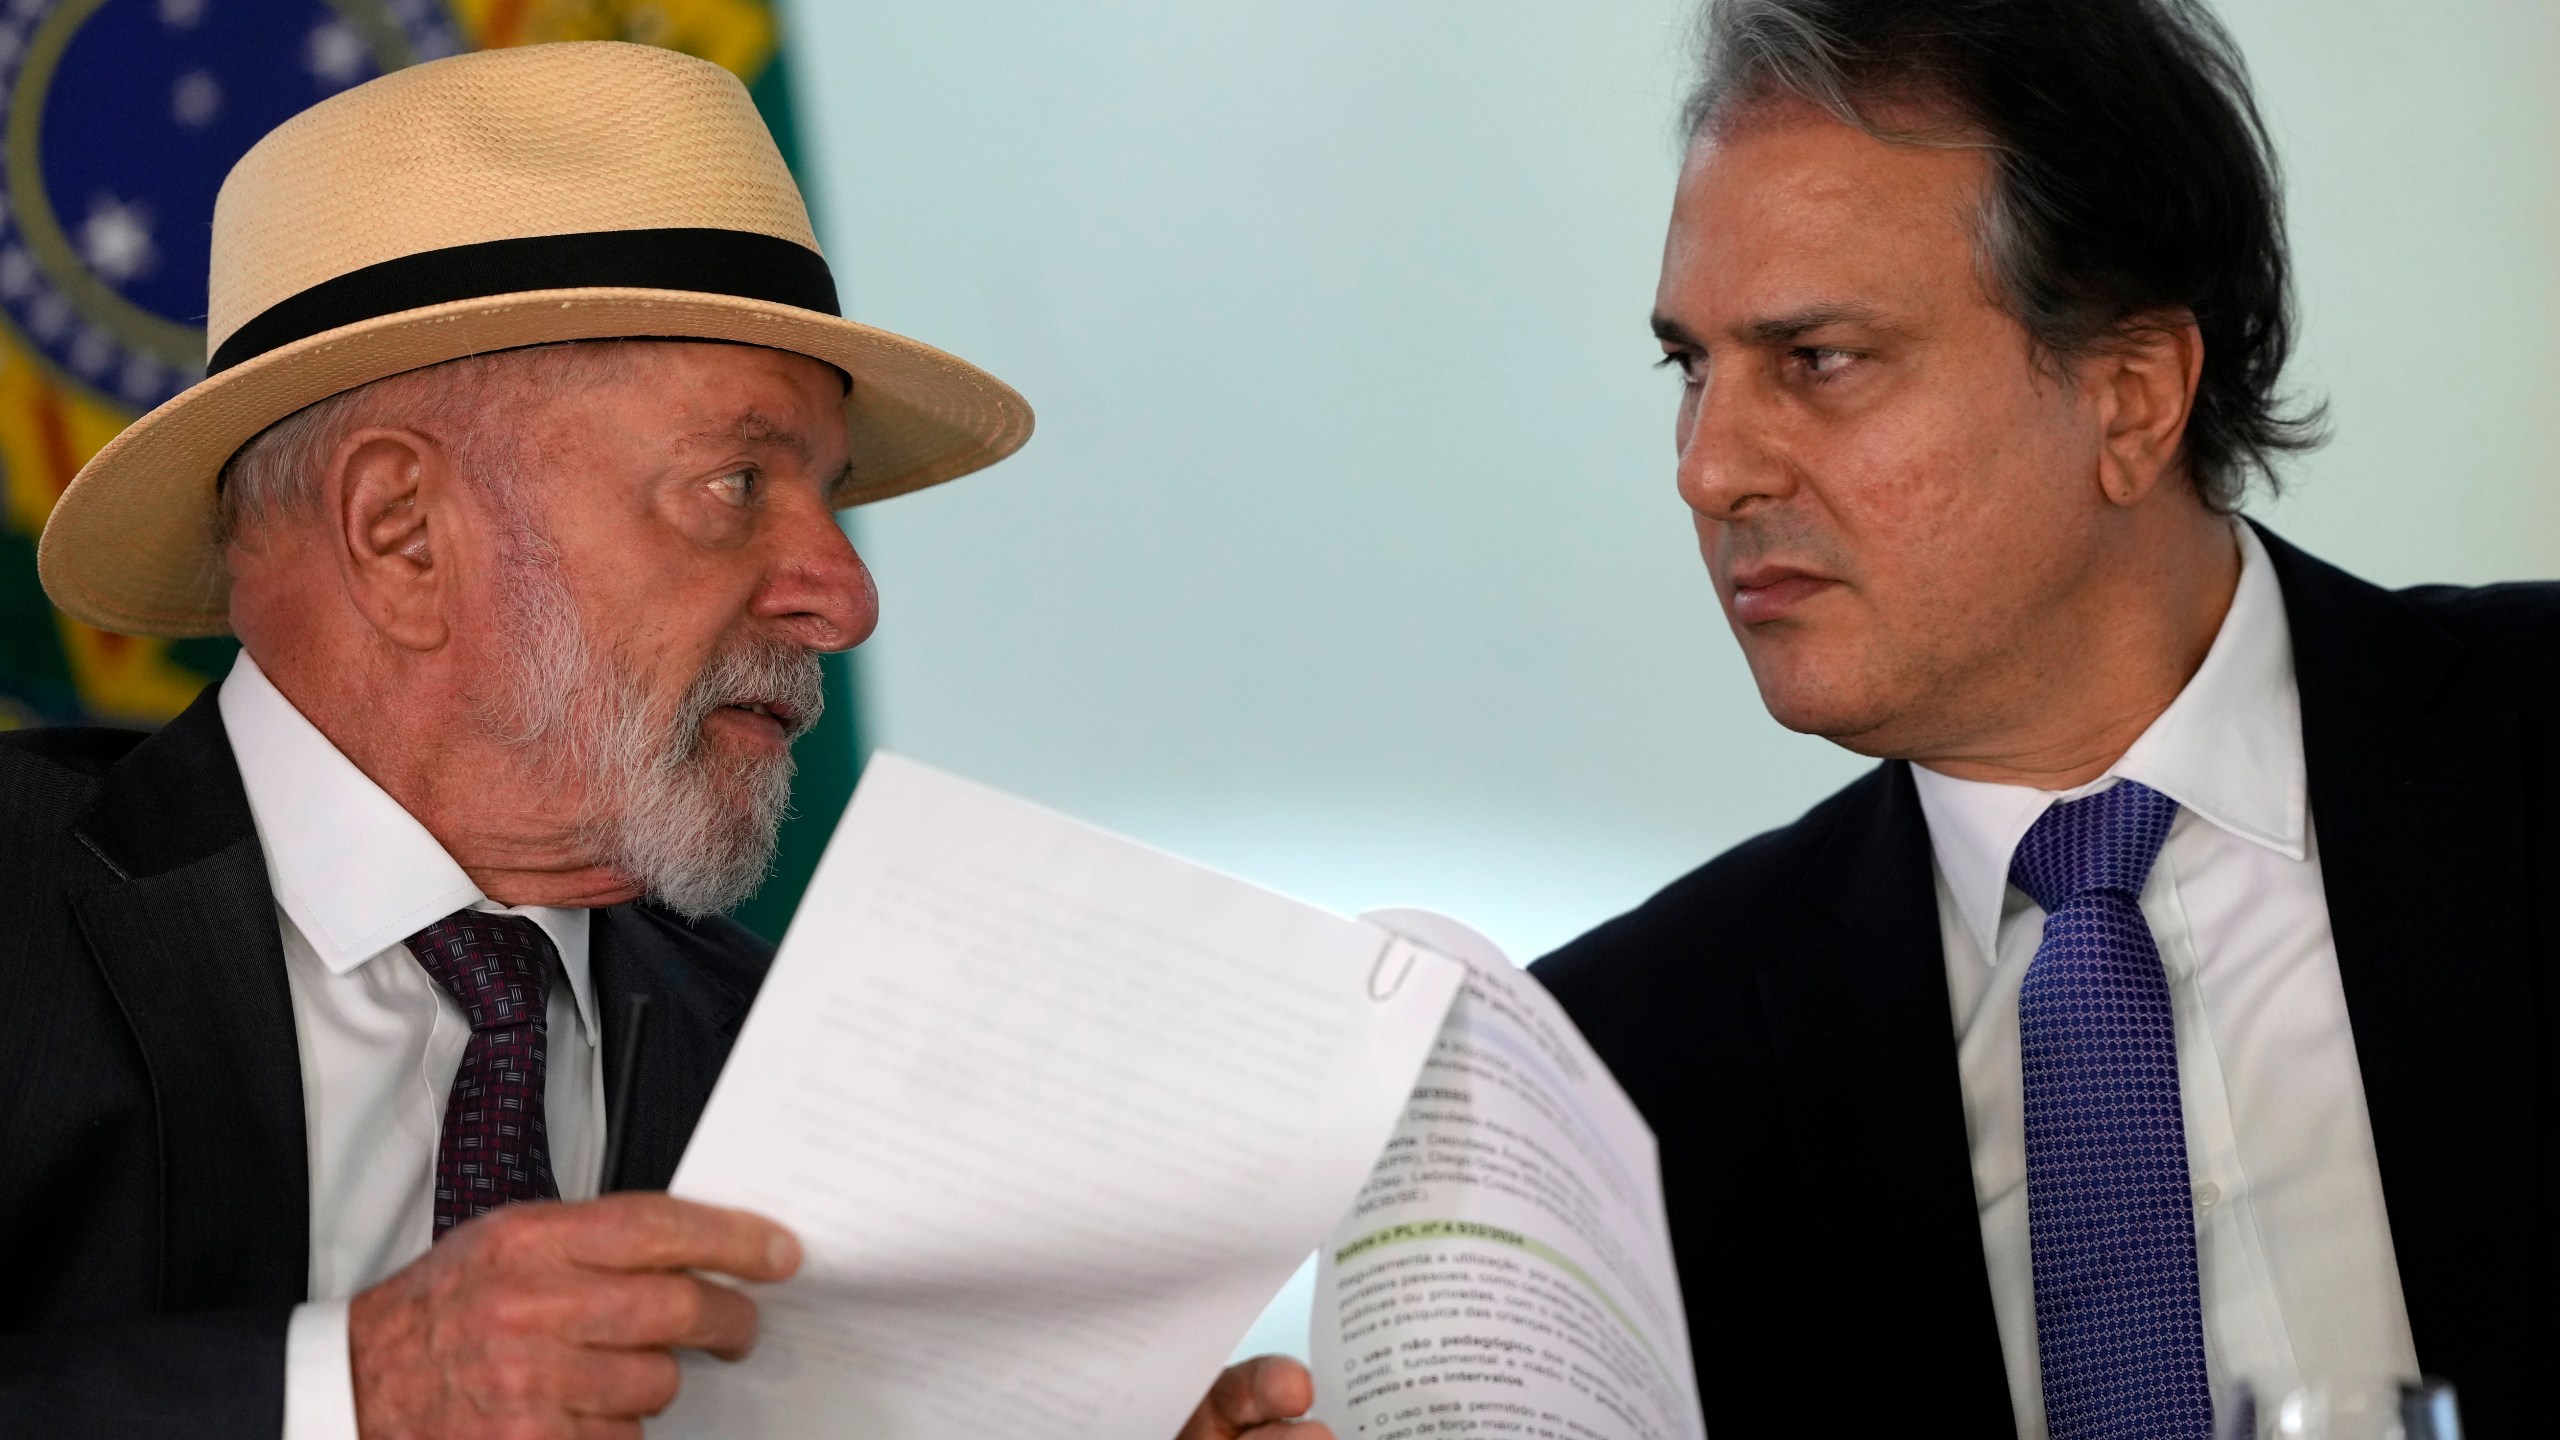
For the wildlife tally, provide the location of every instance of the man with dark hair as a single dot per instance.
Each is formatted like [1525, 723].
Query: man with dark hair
[2163, 1020]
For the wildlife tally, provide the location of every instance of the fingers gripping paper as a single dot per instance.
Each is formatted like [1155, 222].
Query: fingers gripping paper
[1506, 1273]
[1053, 1115]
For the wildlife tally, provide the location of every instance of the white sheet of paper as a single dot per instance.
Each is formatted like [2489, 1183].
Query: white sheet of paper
[1052, 1113]
[1506, 1273]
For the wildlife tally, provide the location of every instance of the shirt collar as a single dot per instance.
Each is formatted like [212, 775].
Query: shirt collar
[2229, 748]
[356, 873]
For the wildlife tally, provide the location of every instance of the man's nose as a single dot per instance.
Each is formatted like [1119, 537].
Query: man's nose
[1729, 455]
[819, 592]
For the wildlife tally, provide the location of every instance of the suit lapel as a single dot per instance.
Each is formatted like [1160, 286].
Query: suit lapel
[2418, 805]
[692, 1021]
[1863, 1034]
[185, 933]
[182, 924]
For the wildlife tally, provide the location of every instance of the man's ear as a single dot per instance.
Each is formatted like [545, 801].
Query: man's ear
[2146, 389]
[398, 526]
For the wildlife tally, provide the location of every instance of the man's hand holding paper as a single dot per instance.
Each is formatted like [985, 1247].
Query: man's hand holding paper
[557, 1319]
[1260, 1399]
[1054, 1115]
[542, 1320]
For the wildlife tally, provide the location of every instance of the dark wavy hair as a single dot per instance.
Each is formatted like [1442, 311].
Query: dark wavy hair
[2134, 181]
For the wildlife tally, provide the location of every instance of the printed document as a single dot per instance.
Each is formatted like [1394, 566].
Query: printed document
[1052, 1113]
[1506, 1273]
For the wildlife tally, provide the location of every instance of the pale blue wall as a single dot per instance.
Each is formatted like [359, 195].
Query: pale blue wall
[1347, 556]
[2423, 146]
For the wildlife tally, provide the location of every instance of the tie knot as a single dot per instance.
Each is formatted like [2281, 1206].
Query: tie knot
[2103, 842]
[497, 966]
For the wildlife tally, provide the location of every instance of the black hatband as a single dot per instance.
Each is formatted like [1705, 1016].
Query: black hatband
[709, 262]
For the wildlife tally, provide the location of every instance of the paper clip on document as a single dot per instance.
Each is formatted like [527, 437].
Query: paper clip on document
[1399, 953]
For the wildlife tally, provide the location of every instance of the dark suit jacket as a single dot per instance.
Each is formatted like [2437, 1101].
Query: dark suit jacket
[154, 1187]
[1781, 1017]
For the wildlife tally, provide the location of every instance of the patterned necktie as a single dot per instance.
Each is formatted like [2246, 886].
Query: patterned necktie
[2119, 1316]
[496, 1149]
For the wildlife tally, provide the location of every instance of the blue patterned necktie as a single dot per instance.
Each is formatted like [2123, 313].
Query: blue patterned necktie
[2119, 1315]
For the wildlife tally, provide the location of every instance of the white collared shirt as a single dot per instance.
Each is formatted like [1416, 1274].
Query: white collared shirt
[354, 876]
[2292, 1245]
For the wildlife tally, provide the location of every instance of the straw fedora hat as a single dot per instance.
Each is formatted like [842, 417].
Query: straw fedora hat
[485, 202]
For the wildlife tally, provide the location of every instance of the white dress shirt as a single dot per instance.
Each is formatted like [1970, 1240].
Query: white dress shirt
[354, 876]
[2292, 1246]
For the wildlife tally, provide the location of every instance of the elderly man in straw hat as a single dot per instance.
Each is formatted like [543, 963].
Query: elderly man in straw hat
[306, 989]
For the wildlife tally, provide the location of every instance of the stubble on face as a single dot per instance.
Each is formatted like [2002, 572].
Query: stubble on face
[1907, 452]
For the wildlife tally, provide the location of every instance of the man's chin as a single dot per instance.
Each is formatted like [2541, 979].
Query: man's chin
[1851, 717]
[710, 869]
[700, 835]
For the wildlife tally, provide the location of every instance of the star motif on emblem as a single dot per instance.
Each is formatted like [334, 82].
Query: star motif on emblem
[115, 240]
[119, 123]
[142, 378]
[336, 53]
[195, 99]
[48, 315]
[92, 352]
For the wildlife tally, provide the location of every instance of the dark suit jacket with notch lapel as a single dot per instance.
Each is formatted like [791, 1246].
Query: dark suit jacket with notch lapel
[1781, 1017]
[154, 1182]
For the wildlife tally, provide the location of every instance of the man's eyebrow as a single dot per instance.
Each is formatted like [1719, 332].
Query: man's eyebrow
[1774, 329]
[1672, 332]
[1779, 329]
[754, 427]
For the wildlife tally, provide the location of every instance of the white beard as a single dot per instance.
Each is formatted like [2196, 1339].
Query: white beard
[694, 830]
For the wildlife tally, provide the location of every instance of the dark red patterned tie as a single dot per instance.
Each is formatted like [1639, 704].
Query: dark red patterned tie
[496, 1149]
